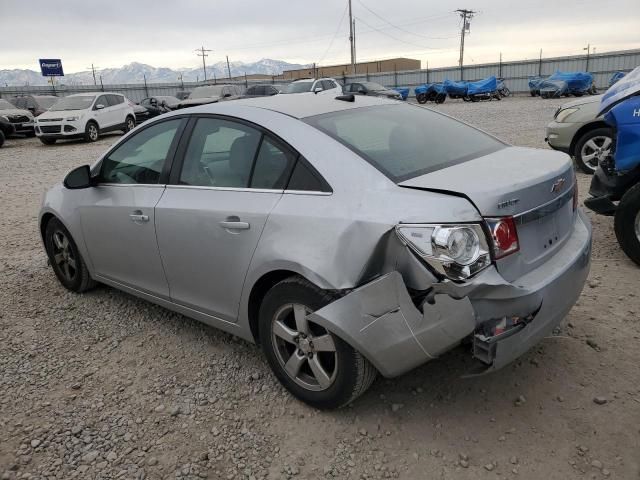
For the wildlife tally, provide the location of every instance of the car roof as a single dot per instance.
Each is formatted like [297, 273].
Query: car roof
[86, 94]
[298, 106]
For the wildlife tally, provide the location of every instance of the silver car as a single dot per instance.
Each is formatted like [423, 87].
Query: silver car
[347, 236]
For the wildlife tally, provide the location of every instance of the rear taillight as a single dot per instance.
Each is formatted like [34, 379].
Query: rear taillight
[504, 235]
[575, 195]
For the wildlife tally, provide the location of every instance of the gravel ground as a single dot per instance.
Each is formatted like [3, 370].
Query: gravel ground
[104, 385]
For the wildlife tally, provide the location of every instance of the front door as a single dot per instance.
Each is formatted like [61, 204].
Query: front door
[118, 218]
[210, 219]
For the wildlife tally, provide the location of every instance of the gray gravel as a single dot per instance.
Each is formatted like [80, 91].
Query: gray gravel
[106, 386]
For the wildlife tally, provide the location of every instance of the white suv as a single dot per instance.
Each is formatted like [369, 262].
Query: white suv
[85, 115]
[320, 86]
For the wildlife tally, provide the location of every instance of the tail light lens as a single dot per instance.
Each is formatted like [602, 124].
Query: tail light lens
[505, 236]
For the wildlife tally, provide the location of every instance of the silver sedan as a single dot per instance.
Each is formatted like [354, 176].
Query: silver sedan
[346, 236]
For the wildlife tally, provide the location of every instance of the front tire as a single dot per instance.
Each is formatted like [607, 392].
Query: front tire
[91, 132]
[591, 148]
[65, 259]
[312, 363]
[421, 98]
[130, 124]
[627, 223]
[2, 138]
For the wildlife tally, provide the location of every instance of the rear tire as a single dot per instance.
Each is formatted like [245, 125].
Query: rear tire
[91, 132]
[590, 146]
[325, 377]
[441, 97]
[2, 138]
[627, 223]
[65, 259]
[421, 98]
[48, 141]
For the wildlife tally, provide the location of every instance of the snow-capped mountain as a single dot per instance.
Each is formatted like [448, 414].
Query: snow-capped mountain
[136, 72]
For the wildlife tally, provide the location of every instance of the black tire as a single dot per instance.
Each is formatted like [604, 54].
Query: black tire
[65, 259]
[627, 223]
[48, 141]
[421, 98]
[505, 92]
[91, 132]
[2, 138]
[441, 97]
[129, 124]
[582, 148]
[30, 134]
[533, 93]
[351, 373]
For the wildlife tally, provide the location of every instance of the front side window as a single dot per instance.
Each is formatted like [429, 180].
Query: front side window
[102, 100]
[404, 141]
[141, 158]
[220, 154]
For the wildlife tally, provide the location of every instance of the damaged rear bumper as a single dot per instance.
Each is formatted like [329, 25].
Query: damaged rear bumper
[380, 319]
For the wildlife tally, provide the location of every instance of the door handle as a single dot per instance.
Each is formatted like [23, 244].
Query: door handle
[138, 217]
[233, 223]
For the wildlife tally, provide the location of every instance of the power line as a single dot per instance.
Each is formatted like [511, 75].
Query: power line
[203, 55]
[398, 27]
[394, 37]
[344, 12]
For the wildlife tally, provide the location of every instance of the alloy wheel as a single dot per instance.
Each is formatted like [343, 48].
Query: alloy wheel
[595, 150]
[637, 225]
[63, 256]
[93, 132]
[130, 124]
[306, 351]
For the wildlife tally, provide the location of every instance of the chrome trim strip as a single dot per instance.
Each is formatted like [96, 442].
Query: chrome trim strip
[545, 209]
[147, 185]
[224, 189]
[308, 192]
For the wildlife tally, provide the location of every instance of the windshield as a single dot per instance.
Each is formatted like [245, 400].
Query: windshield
[374, 87]
[405, 141]
[207, 92]
[298, 87]
[81, 102]
[4, 105]
[46, 102]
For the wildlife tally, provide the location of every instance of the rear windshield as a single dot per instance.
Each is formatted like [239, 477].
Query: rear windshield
[404, 141]
[80, 102]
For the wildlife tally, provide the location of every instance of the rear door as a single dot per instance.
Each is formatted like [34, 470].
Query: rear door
[117, 107]
[212, 214]
[117, 216]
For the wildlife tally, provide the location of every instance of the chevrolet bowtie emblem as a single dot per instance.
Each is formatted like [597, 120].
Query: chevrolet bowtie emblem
[557, 185]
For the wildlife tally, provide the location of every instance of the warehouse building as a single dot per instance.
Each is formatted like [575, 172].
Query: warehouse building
[380, 66]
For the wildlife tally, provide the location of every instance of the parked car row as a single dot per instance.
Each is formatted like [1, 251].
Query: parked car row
[88, 115]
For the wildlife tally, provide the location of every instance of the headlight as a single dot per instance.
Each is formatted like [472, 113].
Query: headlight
[5, 117]
[564, 113]
[72, 119]
[456, 251]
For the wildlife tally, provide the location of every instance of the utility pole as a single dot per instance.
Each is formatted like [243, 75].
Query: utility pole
[355, 60]
[202, 54]
[540, 64]
[93, 70]
[466, 16]
[229, 68]
[352, 40]
[588, 49]
[181, 81]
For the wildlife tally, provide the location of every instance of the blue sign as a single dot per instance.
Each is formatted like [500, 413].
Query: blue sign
[51, 67]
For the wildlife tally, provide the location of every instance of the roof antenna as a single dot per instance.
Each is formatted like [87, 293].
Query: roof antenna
[347, 98]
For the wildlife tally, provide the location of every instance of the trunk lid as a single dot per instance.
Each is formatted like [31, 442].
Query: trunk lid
[534, 186]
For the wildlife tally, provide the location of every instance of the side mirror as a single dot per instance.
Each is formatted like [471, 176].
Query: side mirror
[317, 90]
[362, 91]
[226, 95]
[99, 106]
[78, 178]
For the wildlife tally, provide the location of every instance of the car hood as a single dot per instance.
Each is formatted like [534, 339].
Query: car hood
[591, 99]
[61, 114]
[386, 93]
[16, 111]
[509, 181]
[198, 101]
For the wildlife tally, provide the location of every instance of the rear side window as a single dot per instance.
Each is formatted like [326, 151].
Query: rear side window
[404, 141]
[273, 165]
[304, 178]
[115, 99]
